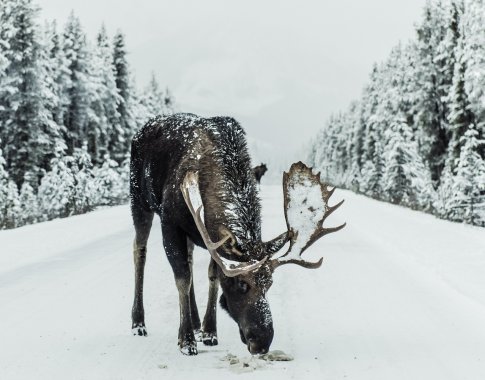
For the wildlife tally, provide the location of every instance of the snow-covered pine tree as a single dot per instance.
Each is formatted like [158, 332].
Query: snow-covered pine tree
[394, 180]
[69, 187]
[56, 190]
[27, 130]
[127, 101]
[460, 116]
[77, 59]
[431, 121]
[124, 172]
[109, 133]
[29, 205]
[50, 71]
[84, 191]
[97, 124]
[6, 30]
[474, 55]
[9, 199]
[355, 147]
[466, 189]
[102, 114]
[7, 27]
[57, 70]
[109, 183]
[154, 101]
[406, 179]
[372, 160]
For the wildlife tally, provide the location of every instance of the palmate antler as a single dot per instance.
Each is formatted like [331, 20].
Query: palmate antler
[191, 194]
[306, 208]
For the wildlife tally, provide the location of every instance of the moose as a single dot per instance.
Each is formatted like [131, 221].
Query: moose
[258, 172]
[195, 173]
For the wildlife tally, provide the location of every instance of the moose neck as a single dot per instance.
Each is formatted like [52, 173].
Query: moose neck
[230, 197]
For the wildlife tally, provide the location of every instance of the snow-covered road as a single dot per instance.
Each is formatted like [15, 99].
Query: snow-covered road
[401, 295]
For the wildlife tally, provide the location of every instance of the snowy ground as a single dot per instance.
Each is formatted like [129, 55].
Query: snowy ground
[401, 295]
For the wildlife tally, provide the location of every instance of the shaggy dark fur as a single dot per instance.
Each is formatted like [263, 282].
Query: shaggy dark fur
[163, 151]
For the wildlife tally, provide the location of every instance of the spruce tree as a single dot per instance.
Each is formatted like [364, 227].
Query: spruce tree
[406, 179]
[29, 206]
[474, 56]
[109, 184]
[84, 190]
[58, 71]
[155, 101]
[27, 130]
[468, 187]
[431, 121]
[460, 116]
[78, 109]
[127, 99]
[110, 128]
[9, 199]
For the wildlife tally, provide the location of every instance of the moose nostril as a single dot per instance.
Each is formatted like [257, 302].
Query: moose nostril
[252, 347]
[255, 348]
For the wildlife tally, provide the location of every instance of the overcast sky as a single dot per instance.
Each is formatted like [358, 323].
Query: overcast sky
[279, 67]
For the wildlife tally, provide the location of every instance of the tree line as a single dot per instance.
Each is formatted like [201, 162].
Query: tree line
[416, 136]
[68, 109]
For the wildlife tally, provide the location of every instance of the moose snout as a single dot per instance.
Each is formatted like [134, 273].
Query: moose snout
[259, 341]
[256, 346]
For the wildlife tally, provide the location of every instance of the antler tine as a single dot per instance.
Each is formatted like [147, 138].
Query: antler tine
[306, 208]
[302, 263]
[230, 268]
[331, 209]
[330, 192]
[330, 230]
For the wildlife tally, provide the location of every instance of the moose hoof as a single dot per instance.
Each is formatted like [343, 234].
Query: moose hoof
[189, 348]
[210, 339]
[198, 335]
[139, 329]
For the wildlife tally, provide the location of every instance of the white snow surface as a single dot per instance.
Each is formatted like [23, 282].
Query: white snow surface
[401, 295]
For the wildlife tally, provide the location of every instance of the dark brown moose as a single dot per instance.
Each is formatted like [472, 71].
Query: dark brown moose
[195, 173]
[259, 171]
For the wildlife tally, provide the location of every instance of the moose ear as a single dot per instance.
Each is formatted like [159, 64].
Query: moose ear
[273, 246]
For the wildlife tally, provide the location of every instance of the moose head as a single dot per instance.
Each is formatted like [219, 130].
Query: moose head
[246, 277]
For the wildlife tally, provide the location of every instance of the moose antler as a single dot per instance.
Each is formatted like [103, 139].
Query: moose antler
[306, 208]
[191, 193]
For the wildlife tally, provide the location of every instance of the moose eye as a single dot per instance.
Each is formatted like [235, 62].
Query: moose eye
[242, 287]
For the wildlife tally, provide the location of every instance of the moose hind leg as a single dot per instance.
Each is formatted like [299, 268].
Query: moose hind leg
[143, 223]
[175, 244]
[209, 326]
[193, 304]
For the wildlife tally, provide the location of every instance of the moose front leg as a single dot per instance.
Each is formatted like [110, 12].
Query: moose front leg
[193, 303]
[209, 326]
[143, 223]
[175, 244]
